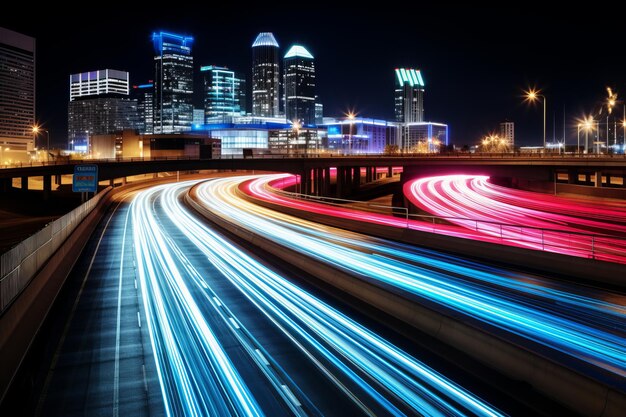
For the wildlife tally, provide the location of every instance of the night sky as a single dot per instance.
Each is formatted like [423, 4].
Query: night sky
[475, 61]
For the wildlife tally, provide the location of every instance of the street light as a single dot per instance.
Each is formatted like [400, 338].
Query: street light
[296, 127]
[36, 130]
[351, 117]
[533, 95]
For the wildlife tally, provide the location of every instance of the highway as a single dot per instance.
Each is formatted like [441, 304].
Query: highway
[174, 319]
[579, 327]
[563, 225]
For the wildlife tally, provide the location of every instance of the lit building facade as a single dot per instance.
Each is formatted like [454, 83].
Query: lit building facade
[507, 132]
[265, 76]
[409, 95]
[424, 137]
[99, 104]
[99, 115]
[98, 83]
[144, 95]
[319, 112]
[359, 135]
[299, 66]
[264, 135]
[173, 83]
[17, 95]
[224, 94]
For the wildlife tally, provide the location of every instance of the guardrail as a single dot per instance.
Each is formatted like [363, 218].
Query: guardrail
[20, 264]
[591, 245]
[468, 155]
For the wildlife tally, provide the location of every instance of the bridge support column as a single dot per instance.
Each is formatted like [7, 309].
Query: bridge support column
[572, 177]
[319, 182]
[326, 191]
[112, 182]
[47, 186]
[598, 178]
[6, 184]
[57, 179]
[155, 175]
[305, 182]
[356, 179]
[389, 172]
[341, 179]
[368, 174]
[24, 183]
[123, 180]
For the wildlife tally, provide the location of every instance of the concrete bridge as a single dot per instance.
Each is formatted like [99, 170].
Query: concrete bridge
[527, 170]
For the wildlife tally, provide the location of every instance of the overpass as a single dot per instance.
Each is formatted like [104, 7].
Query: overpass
[315, 174]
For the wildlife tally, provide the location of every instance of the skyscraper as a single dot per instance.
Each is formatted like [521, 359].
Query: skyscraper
[99, 104]
[173, 82]
[17, 93]
[224, 93]
[409, 95]
[299, 85]
[144, 94]
[507, 132]
[265, 76]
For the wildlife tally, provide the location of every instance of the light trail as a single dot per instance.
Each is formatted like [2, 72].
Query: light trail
[566, 321]
[196, 375]
[554, 224]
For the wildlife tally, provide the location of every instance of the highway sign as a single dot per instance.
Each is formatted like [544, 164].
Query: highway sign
[85, 179]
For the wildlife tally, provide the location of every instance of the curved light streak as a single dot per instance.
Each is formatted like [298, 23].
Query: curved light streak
[577, 330]
[328, 333]
[552, 223]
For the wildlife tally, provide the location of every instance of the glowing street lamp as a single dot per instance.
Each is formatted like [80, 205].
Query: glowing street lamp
[36, 130]
[351, 116]
[533, 95]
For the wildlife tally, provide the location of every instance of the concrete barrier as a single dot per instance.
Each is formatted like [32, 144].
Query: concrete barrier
[583, 270]
[574, 390]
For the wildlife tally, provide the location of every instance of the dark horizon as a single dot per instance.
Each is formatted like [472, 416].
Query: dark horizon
[475, 61]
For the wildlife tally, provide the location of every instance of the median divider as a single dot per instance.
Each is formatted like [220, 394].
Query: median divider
[575, 390]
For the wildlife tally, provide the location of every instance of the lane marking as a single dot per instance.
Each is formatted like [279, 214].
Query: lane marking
[116, 374]
[138, 319]
[289, 394]
[262, 357]
[66, 329]
[232, 320]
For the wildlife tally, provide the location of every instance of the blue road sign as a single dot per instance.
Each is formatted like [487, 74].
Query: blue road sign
[85, 179]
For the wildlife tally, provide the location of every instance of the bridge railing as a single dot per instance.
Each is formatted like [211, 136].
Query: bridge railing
[590, 245]
[20, 264]
[469, 155]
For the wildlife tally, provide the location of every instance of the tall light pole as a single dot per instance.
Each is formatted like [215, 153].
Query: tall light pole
[533, 95]
[351, 117]
[296, 127]
[36, 130]
[578, 139]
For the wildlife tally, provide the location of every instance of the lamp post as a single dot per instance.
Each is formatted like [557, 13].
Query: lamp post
[296, 127]
[351, 117]
[533, 95]
[36, 130]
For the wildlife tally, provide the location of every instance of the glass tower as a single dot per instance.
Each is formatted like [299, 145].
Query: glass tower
[299, 85]
[265, 76]
[17, 90]
[144, 94]
[173, 83]
[409, 95]
[99, 104]
[224, 93]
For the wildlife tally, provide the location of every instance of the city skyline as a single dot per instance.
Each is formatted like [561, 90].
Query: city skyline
[474, 78]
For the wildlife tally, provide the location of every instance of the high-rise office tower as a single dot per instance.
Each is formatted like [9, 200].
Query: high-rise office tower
[224, 93]
[173, 82]
[144, 94]
[17, 93]
[99, 104]
[299, 85]
[265, 76]
[409, 95]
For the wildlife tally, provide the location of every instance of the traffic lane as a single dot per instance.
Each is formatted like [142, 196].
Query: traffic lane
[305, 376]
[82, 381]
